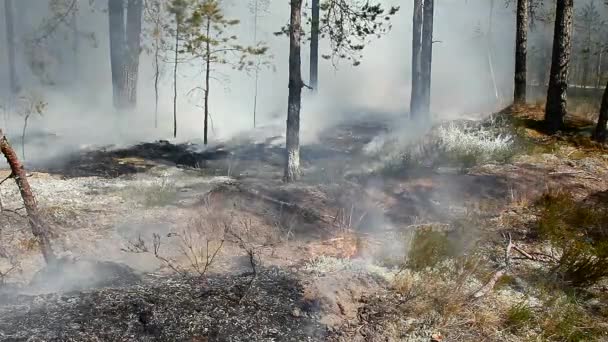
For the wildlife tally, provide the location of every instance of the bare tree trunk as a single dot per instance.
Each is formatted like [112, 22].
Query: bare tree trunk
[292, 163]
[314, 46]
[10, 46]
[175, 80]
[118, 51]
[39, 229]
[600, 129]
[133, 34]
[490, 53]
[156, 81]
[427, 57]
[598, 80]
[555, 109]
[521, 51]
[75, 45]
[257, 64]
[416, 58]
[207, 75]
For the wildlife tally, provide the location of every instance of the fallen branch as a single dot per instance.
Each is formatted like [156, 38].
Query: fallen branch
[39, 228]
[489, 286]
[524, 253]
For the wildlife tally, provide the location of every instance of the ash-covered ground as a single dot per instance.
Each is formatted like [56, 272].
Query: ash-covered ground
[165, 242]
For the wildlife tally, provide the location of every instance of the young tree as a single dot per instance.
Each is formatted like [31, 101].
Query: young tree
[38, 227]
[600, 130]
[348, 25]
[155, 17]
[258, 7]
[555, 109]
[209, 39]
[415, 97]
[521, 51]
[10, 45]
[177, 8]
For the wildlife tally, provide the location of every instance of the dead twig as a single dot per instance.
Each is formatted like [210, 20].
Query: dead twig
[251, 254]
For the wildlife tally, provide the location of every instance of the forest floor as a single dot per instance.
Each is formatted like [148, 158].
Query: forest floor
[384, 239]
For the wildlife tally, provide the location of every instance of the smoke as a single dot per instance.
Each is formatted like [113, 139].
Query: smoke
[82, 113]
[472, 73]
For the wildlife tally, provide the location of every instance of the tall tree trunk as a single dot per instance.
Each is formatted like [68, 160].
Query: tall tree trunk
[257, 64]
[598, 69]
[416, 58]
[175, 79]
[314, 46]
[156, 80]
[118, 53]
[39, 229]
[10, 46]
[521, 51]
[135, 10]
[586, 62]
[207, 75]
[427, 57]
[555, 109]
[600, 129]
[75, 45]
[292, 163]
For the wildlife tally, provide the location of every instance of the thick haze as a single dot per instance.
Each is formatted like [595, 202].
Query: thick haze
[461, 83]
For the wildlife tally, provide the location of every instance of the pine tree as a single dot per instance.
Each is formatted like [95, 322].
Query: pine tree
[521, 51]
[555, 109]
[211, 40]
[349, 26]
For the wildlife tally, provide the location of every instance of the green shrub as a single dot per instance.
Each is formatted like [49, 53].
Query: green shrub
[518, 316]
[579, 232]
[428, 248]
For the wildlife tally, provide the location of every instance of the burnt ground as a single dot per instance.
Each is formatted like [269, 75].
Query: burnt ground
[105, 205]
[269, 308]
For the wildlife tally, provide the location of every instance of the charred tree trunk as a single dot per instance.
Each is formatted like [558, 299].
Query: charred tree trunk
[133, 34]
[600, 129]
[314, 46]
[39, 229]
[426, 58]
[416, 58]
[555, 109]
[292, 163]
[521, 51]
[118, 53]
[10, 46]
[207, 76]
